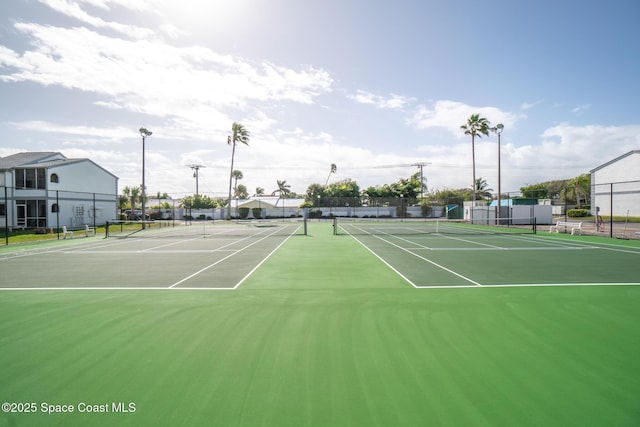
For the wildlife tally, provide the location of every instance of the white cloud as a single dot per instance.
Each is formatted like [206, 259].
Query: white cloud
[392, 102]
[73, 9]
[111, 133]
[580, 108]
[529, 105]
[193, 86]
[191, 95]
[566, 144]
[451, 115]
[565, 151]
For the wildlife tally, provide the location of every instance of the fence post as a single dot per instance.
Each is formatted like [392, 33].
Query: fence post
[611, 210]
[6, 217]
[58, 214]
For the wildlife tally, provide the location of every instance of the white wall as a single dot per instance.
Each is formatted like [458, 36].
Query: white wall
[624, 174]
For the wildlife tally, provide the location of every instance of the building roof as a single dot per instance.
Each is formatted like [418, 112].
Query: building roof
[30, 159]
[615, 160]
[270, 201]
[42, 159]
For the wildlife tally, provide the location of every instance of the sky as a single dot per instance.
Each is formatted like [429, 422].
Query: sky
[374, 87]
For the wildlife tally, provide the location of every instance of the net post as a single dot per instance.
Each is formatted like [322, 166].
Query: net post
[535, 225]
[304, 219]
[335, 226]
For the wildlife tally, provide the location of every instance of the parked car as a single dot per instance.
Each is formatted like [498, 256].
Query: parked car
[136, 215]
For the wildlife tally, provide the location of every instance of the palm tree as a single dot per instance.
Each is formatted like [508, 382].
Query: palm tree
[475, 126]
[481, 188]
[259, 191]
[122, 202]
[239, 134]
[236, 176]
[133, 194]
[241, 192]
[283, 190]
[127, 192]
[136, 195]
[334, 168]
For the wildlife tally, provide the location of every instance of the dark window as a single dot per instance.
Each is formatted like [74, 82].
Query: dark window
[41, 181]
[54, 177]
[2, 209]
[54, 208]
[19, 178]
[30, 178]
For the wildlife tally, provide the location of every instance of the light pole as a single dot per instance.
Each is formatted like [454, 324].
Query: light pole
[498, 129]
[144, 133]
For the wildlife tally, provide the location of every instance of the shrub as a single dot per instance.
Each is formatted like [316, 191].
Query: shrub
[577, 213]
[257, 212]
[243, 212]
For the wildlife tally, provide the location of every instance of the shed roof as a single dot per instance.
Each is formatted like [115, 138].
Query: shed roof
[610, 162]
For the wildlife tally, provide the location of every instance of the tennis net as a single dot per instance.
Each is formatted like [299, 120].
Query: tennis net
[206, 229]
[405, 226]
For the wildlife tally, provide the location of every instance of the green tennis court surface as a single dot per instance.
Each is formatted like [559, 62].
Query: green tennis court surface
[263, 325]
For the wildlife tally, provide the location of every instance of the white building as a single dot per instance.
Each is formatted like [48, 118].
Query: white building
[46, 189]
[615, 186]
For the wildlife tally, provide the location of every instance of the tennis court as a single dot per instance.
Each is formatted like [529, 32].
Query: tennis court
[368, 323]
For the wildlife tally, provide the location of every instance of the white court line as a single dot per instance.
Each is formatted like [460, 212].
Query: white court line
[559, 248]
[155, 252]
[153, 248]
[473, 242]
[155, 288]
[265, 258]
[598, 245]
[115, 288]
[386, 263]
[223, 259]
[212, 250]
[417, 256]
[527, 285]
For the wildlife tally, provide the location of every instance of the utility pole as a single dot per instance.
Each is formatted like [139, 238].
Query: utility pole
[195, 169]
[420, 166]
